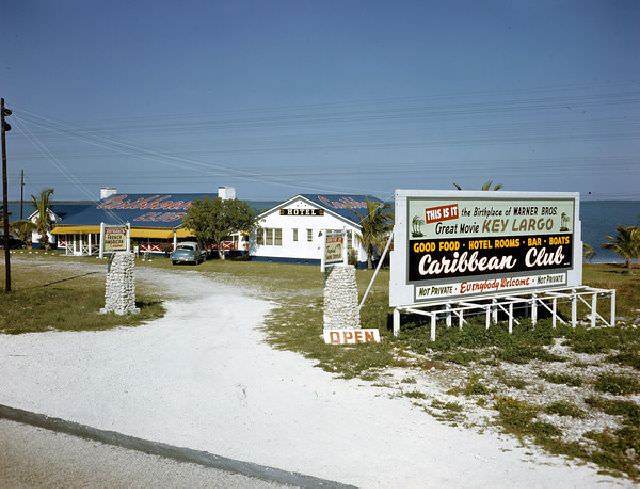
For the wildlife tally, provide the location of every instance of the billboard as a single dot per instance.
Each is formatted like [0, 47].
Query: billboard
[457, 244]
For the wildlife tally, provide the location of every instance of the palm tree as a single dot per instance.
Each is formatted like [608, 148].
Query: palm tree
[588, 252]
[375, 227]
[43, 222]
[23, 229]
[486, 186]
[626, 243]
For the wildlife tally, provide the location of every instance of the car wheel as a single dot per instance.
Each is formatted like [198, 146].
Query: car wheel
[174, 263]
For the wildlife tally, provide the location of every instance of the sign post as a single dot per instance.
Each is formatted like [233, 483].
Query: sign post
[120, 290]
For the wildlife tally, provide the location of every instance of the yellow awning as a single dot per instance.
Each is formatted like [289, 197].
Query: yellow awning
[160, 233]
[88, 229]
[157, 233]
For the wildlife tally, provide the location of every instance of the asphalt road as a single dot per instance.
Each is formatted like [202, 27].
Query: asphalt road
[34, 457]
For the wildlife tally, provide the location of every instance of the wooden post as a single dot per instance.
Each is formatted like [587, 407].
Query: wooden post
[510, 317]
[101, 244]
[433, 326]
[574, 308]
[448, 316]
[494, 311]
[487, 317]
[5, 205]
[553, 312]
[396, 321]
[594, 308]
[534, 309]
[613, 308]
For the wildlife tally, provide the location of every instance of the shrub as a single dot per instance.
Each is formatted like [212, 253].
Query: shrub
[618, 385]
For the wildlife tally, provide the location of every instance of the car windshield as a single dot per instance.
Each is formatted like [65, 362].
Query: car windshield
[186, 247]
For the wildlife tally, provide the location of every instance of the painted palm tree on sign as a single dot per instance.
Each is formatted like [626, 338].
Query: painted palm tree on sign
[41, 203]
[626, 243]
[376, 225]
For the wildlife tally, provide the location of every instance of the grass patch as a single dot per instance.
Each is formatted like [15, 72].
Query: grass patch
[561, 378]
[458, 357]
[409, 380]
[516, 416]
[510, 381]
[618, 449]
[452, 406]
[475, 387]
[564, 408]
[628, 358]
[616, 384]
[629, 410]
[414, 394]
[46, 298]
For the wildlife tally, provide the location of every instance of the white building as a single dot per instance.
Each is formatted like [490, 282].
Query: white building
[292, 231]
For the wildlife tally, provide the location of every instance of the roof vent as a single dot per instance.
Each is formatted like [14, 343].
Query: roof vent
[107, 192]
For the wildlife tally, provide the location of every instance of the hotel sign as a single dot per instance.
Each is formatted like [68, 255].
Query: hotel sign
[463, 244]
[293, 211]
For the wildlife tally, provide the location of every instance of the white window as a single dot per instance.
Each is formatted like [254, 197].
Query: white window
[310, 235]
[295, 234]
[269, 236]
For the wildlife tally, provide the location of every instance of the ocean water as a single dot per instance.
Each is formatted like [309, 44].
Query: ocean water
[599, 220]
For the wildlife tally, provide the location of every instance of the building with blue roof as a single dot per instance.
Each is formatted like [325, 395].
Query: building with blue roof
[292, 231]
[155, 220]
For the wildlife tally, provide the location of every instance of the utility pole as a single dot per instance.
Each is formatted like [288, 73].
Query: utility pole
[5, 127]
[21, 189]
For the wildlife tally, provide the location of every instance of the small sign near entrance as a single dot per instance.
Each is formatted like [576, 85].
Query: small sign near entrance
[346, 336]
[115, 239]
[333, 248]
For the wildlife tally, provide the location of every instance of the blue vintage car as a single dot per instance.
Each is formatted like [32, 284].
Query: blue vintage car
[188, 252]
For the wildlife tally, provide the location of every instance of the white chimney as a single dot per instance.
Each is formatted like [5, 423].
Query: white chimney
[107, 192]
[226, 193]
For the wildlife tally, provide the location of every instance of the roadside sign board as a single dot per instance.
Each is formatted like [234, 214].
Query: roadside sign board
[458, 244]
[114, 238]
[333, 248]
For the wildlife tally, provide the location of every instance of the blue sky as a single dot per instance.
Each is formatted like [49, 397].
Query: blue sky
[278, 98]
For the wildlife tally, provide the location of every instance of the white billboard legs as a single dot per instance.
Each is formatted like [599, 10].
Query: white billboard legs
[492, 304]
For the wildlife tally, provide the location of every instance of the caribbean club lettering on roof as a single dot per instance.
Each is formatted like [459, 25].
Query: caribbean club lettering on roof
[342, 203]
[143, 203]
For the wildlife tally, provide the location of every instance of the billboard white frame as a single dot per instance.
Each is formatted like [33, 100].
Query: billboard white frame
[402, 290]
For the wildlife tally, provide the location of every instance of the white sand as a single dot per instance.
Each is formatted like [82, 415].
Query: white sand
[202, 377]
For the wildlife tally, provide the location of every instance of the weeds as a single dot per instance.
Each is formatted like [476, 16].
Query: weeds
[414, 394]
[564, 408]
[561, 378]
[617, 384]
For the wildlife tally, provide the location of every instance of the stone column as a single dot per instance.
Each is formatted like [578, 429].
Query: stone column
[341, 298]
[120, 294]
